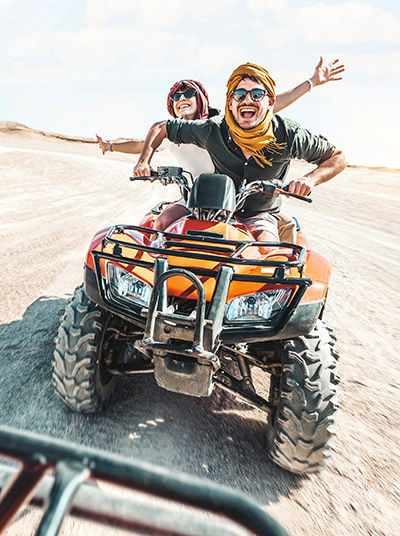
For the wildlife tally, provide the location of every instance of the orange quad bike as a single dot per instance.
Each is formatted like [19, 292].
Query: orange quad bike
[200, 305]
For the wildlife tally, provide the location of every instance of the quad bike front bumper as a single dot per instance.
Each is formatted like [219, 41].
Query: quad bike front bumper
[184, 348]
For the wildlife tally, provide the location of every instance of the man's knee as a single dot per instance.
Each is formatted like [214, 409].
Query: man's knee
[265, 236]
[286, 228]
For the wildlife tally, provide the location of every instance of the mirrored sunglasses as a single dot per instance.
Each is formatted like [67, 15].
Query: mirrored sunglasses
[256, 95]
[187, 94]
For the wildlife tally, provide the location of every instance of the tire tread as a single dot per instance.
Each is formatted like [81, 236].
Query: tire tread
[304, 422]
[76, 354]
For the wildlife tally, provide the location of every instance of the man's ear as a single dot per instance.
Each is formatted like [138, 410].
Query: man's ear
[272, 101]
[230, 103]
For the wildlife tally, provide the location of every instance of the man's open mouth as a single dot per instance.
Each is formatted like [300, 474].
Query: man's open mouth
[247, 113]
[184, 106]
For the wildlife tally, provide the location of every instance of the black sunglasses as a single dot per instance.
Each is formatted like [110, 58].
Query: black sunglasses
[256, 94]
[187, 94]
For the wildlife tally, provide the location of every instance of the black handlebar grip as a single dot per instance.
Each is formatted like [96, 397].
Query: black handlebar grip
[302, 197]
[145, 177]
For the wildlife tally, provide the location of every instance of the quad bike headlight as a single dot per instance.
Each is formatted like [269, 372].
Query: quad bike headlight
[259, 306]
[123, 284]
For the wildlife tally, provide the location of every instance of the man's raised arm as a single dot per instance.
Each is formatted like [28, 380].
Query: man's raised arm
[322, 73]
[154, 138]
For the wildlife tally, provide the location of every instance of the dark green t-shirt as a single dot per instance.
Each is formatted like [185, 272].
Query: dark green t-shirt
[214, 136]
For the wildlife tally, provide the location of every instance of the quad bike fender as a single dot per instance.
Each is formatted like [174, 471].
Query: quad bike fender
[91, 288]
[302, 321]
[318, 269]
[96, 243]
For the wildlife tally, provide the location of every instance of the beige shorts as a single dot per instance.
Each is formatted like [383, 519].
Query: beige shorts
[281, 224]
[264, 221]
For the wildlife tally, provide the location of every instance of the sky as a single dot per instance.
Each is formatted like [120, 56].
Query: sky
[87, 66]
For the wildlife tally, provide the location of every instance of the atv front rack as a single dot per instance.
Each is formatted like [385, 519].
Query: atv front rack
[224, 275]
[73, 466]
[191, 241]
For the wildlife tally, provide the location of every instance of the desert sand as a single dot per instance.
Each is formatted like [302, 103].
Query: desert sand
[56, 192]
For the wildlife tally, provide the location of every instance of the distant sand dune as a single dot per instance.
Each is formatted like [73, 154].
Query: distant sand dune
[12, 127]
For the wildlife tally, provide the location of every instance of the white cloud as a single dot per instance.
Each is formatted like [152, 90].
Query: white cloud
[279, 9]
[342, 24]
[91, 54]
[151, 14]
[372, 65]
[98, 46]
[212, 58]
[126, 48]
[22, 73]
[381, 67]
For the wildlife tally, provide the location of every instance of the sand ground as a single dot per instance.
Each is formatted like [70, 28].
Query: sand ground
[56, 193]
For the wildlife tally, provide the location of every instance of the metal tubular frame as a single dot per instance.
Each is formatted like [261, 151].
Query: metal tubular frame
[34, 467]
[232, 259]
[200, 307]
[135, 313]
[235, 387]
[69, 476]
[75, 464]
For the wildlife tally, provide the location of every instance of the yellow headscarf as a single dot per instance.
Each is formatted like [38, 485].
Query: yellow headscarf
[260, 137]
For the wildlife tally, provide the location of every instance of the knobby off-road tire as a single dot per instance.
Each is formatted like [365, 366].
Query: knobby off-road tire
[304, 421]
[79, 375]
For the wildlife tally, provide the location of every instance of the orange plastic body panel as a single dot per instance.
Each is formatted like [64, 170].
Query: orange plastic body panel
[94, 245]
[317, 268]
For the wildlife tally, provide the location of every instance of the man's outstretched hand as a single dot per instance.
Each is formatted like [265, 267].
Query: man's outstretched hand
[327, 72]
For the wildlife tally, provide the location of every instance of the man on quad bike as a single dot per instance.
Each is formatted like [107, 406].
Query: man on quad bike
[203, 304]
[252, 143]
[188, 100]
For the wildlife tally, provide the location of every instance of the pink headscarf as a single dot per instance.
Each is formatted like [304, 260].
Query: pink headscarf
[201, 98]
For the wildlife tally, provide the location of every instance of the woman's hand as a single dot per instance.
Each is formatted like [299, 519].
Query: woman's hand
[104, 145]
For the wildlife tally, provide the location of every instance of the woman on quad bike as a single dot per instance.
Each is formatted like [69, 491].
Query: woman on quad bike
[188, 100]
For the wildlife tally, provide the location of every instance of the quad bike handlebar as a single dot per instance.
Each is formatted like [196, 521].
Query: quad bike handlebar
[169, 175]
[174, 175]
[267, 189]
[152, 176]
